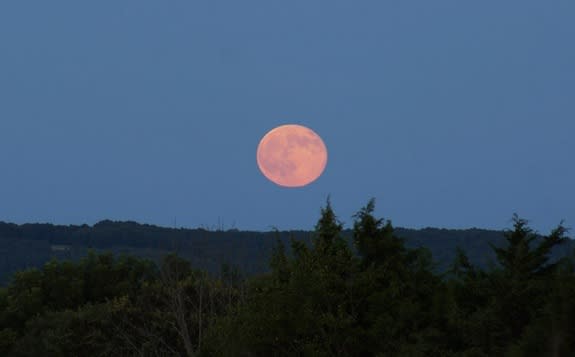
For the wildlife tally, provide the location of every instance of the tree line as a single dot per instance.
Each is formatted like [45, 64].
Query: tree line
[322, 298]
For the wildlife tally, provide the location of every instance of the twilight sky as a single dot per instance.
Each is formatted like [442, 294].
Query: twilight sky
[451, 114]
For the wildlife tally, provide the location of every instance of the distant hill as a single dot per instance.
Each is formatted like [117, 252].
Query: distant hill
[31, 245]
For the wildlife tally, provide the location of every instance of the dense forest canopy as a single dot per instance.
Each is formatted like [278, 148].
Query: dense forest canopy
[361, 292]
[32, 245]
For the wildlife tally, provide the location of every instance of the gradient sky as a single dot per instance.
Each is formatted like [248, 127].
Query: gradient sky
[450, 114]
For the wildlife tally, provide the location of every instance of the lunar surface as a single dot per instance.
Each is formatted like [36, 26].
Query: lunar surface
[292, 155]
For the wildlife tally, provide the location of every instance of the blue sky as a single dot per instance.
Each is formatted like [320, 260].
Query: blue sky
[450, 114]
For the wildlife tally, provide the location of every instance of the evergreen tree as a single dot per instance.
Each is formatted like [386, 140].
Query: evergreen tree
[525, 257]
[495, 307]
[374, 238]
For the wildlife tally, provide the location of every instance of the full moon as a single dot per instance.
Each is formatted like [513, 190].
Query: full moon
[292, 155]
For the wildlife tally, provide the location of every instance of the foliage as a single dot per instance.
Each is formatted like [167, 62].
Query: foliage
[321, 297]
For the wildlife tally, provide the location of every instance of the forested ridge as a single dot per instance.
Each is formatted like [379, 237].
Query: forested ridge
[330, 292]
[32, 245]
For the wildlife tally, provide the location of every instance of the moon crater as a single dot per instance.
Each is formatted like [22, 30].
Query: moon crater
[292, 155]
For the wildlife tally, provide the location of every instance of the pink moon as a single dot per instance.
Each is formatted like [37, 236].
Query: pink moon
[292, 155]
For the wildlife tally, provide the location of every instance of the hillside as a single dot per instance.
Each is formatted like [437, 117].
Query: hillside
[32, 245]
